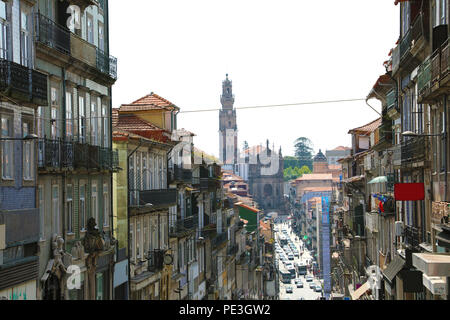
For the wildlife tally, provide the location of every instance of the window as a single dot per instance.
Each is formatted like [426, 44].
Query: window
[27, 153]
[144, 172]
[90, 29]
[94, 123]
[138, 239]
[40, 122]
[99, 289]
[150, 168]
[7, 148]
[4, 44]
[41, 212]
[105, 205]
[138, 171]
[54, 112]
[82, 119]
[132, 181]
[69, 208]
[146, 235]
[55, 209]
[82, 208]
[25, 43]
[160, 168]
[132, 241]
[94, 202]
[101, 37]
[105, 128]
[405, 18]
[69, 115]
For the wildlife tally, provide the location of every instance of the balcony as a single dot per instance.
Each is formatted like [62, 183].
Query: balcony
[391, 100]
[52, 34]
[62, 154]
[22, 83]
[179, 174]
[413, 150]
[419, 32]
[155, 260]
[59, 38]
[183, 226]
[424, 78]
[395, 59]
[384, 135]
[412, 237]
[106, 64]
[405, 46]
[161, 198]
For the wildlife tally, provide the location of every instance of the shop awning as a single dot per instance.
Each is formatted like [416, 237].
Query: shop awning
[432, 264]
[393, 268]
[409, 191]
[360, 291]
[380, 179]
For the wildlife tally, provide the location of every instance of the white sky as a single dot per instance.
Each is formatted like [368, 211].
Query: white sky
[275, 52]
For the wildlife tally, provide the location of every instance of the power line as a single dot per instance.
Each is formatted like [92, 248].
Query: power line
[280, 105]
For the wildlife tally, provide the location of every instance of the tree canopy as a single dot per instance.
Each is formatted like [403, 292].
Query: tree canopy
[291, 173]
[304, 152]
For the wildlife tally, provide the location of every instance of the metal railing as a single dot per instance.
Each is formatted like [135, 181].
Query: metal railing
[107, 64]
[413, 149]
[52, 34]
[391, 99]
[435, 66]
[417, 27]
[183, 225]
[405, 45]
[412, 236]
[23, 82]
[60, 153]
[180, 174]
[424, 77]
[219, 239]
[155, 198]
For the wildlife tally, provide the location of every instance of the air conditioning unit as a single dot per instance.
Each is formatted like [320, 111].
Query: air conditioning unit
[398, 228]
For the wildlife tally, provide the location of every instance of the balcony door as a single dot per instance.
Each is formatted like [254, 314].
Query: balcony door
[4, 27]
[25, 38]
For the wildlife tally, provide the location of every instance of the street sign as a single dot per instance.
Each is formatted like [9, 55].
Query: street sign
[346, 298]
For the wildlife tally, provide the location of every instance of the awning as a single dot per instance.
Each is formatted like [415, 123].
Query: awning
[409, 191]
[360, 291]
[380, 179]
[393, 268]
[432, 264]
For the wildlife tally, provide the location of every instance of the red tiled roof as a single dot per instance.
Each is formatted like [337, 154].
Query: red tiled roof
[367, 128]
[151, 101]
[317, 189]
[136, 125]
[341, 148]
[315, 176]
[335, 166]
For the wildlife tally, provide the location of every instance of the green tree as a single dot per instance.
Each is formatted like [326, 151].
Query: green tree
[304, 152]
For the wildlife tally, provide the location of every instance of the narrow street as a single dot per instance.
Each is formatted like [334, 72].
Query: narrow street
[305, 293]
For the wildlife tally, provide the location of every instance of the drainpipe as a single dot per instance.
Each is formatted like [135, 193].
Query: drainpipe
[128, 215]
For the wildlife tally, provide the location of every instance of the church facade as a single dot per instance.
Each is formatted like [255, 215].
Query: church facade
[261, 168]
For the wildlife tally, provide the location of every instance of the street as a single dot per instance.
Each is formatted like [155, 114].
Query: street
[297, 293]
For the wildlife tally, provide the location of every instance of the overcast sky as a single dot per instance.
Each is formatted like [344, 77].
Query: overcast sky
[275, 52]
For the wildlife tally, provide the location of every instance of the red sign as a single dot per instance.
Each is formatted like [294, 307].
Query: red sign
[409, 191]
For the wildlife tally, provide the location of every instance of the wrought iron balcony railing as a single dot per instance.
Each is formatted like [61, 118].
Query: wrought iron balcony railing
[391, 99]
[107, 64]
[413, 150]
[52, 34]
[183, 225]
[23, 83]
[412, 237]
[61, 39]
[159, 198]
[424, 77]
[405, 45]
[63, 154]
[180, 174]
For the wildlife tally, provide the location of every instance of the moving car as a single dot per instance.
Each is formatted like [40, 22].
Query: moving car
[312, 285]
[290, 256]
[299, 283]
[309, 278]
[289, 289]
[318, 288]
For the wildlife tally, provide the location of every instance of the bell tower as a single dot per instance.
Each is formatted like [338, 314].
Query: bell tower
[227, 127]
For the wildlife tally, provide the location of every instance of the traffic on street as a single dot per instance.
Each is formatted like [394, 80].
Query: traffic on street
[294, 262]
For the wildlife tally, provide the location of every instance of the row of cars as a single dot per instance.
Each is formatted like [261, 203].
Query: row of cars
[317, 287]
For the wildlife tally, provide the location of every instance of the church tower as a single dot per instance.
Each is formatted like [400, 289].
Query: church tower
[228, 127]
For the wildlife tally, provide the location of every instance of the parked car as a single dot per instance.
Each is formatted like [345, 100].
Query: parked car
[318, 288]
[312, 286]
[290, 256]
